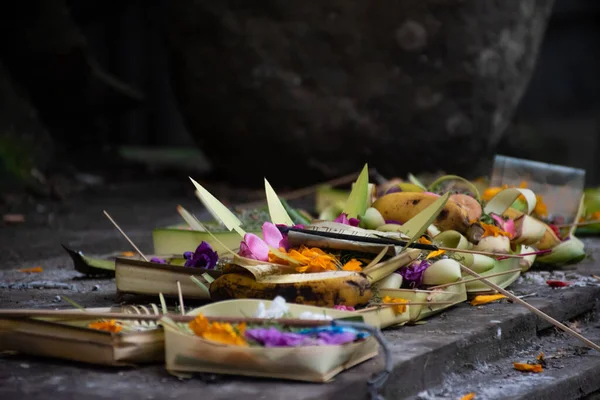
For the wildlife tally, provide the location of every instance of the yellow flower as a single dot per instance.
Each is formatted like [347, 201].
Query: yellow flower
[493, 230]
[110, 326]
[468, 396]
[541, 209]
[490, 192]
[435, 254]
[528, 367]
[399, 309]
[220, 332]
[352, 265]
[484, 299]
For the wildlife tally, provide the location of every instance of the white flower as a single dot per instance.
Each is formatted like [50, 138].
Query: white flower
[315, 316]
[277, 309]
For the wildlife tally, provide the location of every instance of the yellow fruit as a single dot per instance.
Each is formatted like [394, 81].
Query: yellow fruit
[403, 206]
[324, 289]
[470, 204]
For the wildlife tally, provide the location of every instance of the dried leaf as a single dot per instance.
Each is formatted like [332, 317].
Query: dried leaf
[276, 209]
[484, 299]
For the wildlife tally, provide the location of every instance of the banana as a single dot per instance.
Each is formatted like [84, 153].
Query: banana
[403, 206]
[324, 289]
[548, 241]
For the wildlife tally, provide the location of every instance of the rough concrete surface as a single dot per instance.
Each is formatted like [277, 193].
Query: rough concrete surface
[461, 350]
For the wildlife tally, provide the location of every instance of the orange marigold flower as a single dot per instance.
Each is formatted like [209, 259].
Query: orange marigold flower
[541, 209]
[528, 367]
[128, 253]
[352, 265]
[435, 254]
[468, 396]
[109, 326]
[490, 192]
[424, 240]
[493, 230]
[400, 308]
[219, 331]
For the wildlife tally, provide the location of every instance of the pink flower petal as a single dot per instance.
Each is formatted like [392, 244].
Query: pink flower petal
[431, 193]
[498, 220]
[273, 236]
[254, 247]
[509, 226]
[342, 219]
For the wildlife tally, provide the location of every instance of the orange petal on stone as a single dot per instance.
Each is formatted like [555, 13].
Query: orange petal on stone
[528, 367]
[468, 396]
[33, 270]
[484, 299]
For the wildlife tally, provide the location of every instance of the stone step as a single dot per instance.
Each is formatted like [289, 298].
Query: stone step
[571, 371]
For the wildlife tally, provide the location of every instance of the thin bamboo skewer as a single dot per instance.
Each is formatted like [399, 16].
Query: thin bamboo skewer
[531, 308]
[305, 191]
[415, 303]
[126, 237]
[88, 315]
[512, 271]
[584, 223]
[487, 253]
[181, 306]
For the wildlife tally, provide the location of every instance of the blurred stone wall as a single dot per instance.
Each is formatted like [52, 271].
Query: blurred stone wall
[558, 118]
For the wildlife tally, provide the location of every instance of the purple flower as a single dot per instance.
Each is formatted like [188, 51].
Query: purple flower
[393, 221]
[343, 219]
[413, 273]
[158, 260]
[333, 338]
[271, 337]
[203, 257]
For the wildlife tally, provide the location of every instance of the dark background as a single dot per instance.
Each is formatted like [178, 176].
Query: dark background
[556, 121]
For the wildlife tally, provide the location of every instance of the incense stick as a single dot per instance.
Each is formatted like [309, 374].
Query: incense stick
[305, 191]
[416, 303]
[126, 237]
[181, 306]
[531, 308]
[591, 222]
[395, 242]
[476, 279]
[89, 315]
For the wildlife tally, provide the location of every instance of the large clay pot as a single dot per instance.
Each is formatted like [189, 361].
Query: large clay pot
[298, 90]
